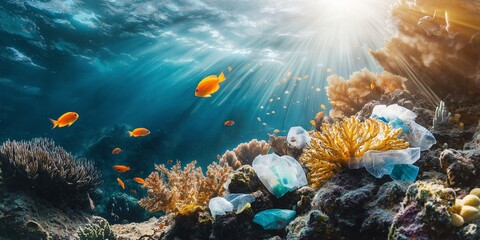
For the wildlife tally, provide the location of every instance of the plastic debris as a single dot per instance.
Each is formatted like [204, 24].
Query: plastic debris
[400, 117]
[219, 206]
[396, 163]
[298, 137]
[274, 218]
[279, 174]
[239, 201]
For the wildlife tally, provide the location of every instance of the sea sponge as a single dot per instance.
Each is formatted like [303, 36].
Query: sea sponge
[468, 209]
[183, 191]
[349, 96]
[48, 169]
[244, 153]
[337, 143]
[98, 229]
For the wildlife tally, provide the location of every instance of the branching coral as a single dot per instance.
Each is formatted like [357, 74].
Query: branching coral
[349, 96]
[244, 153]
[182, 191]
[337, 143]
[48, 169]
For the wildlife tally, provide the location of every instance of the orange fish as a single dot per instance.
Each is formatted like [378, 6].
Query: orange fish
[116, 150]
[120, 182]
[67, 119]
[229, 123]
[139, 180]
[312, 122]
[323, 107]
[139, 132]
[276, 131]
[372, 86]
[121, 168]
[209, 85]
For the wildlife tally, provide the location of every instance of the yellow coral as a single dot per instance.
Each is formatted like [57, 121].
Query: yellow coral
[332, 147]
[183, 191]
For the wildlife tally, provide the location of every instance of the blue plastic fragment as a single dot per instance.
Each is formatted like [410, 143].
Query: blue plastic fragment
[404, 172]
[274, 218]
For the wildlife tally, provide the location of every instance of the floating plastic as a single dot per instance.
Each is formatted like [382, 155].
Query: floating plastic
[298, 137]
[219, 206]
[279, 174]
[240, 200]
[396, 163]
[400, 117]
[274, 218]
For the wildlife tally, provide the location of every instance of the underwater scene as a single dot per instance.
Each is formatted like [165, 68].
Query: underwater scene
[223, 119]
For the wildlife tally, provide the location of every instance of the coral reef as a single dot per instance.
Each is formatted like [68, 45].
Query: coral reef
[149, 229]
[349, 96]
[424, 213]
[466, 209]
[98, 229]
[281, 147]
[181, 191]
[48, 169]
[432, 52]
[461, 168]
[244, 153]
[122, 208]
[336, 144]
[26, 216]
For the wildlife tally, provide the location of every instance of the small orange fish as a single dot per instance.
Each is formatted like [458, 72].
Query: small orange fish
[310, 132]
[209, 85]
[276, 131]
[312, 122]
[121, 168]
[323, 107]
[139, 180]
[169, 161]
[120, 182]
[328, 70]
[228, 123]
[139, 132]
[116, 150]
[67, 119]
[372, 86]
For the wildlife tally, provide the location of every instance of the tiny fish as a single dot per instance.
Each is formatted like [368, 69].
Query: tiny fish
[169, 161]
[259, 119]
[139, 180]
[323, 107]
[318, 89]
[328, 70]
[120, 182]
[312, 122]
[209, 85]
[276, 131]
[271, 100]
[264, 124]
[228, 123]
[121, 168]
[116, 150]
[310, 132]
[287, 92]
[372, 86]
[67, 119]
[139, 132]
[229, 68]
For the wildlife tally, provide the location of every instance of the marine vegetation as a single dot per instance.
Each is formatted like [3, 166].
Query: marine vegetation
[349, 96]
[183, 191]
[337, 143]
[46, 168]
[244, 153]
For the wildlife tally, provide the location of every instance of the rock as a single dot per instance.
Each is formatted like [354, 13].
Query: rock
[424, 213]
[279, 174]
[245, 180]
[274, 218]
[469, 232]
[462, 169]
[123, 208]
[25, 216]
[132, 231]
[313, 225]
[281, 147]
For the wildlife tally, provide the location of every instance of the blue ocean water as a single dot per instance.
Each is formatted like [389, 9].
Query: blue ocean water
[136, 63]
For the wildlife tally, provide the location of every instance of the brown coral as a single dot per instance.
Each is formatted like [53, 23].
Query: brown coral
[182, 191]
[349, 96]
[332, 147]
[48, 169]
[281, 147]
[244, 153]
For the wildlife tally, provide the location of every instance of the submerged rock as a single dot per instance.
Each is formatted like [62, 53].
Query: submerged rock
[132, 231]
[462, 169]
